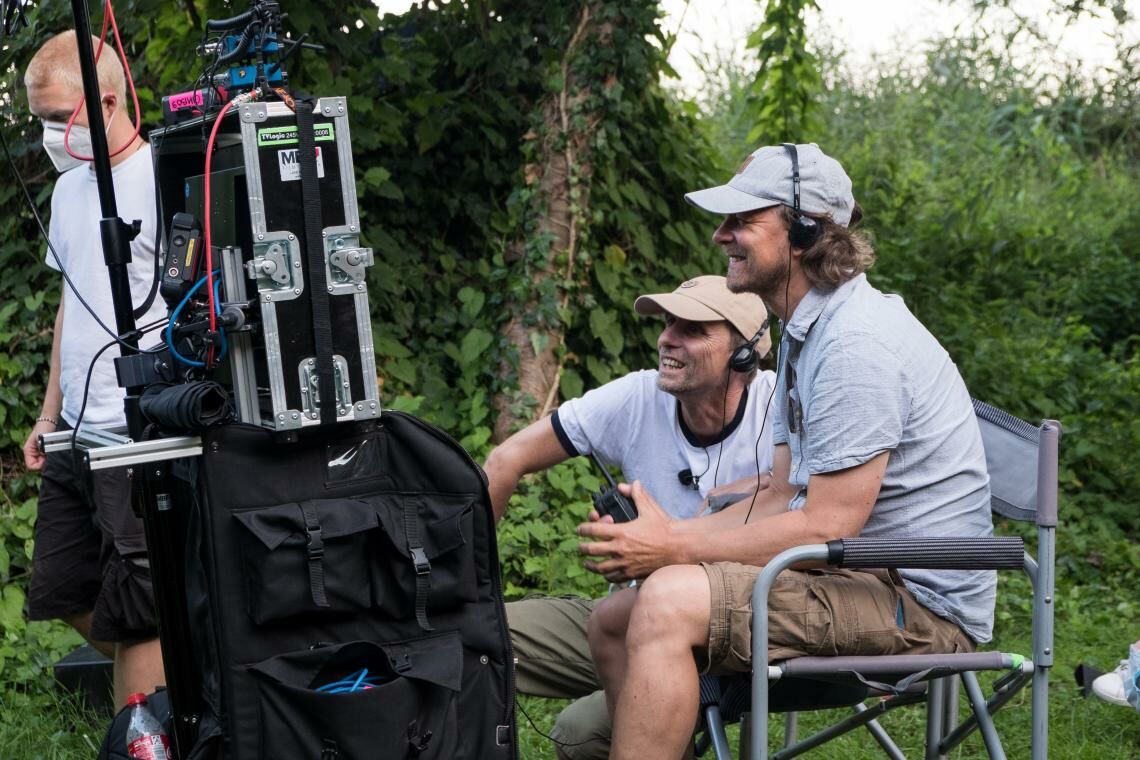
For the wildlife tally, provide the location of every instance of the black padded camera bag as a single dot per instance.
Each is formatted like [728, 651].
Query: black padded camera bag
[307, 561]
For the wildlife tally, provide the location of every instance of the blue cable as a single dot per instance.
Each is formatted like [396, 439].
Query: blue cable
[358, 681]
[218, 311]
[169, 333]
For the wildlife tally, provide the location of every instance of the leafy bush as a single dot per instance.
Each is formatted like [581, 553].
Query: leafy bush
[1013, 237]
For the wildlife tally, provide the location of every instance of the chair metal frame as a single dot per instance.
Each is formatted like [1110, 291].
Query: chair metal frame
[1023, 487]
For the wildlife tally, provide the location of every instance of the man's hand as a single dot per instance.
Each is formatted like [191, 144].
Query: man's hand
[34, 458]
[635, 548]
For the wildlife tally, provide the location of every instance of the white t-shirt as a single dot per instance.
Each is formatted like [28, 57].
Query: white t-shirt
[630, 423]
[74, 232]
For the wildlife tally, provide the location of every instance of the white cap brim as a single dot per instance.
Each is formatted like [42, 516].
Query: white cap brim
[725, 199]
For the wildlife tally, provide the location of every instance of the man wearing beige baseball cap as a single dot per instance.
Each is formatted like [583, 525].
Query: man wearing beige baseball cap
[696, 422]
[875, 435]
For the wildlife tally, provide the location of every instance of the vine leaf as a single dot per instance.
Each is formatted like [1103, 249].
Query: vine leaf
[606, 326]
[472, 301]
[475, 342]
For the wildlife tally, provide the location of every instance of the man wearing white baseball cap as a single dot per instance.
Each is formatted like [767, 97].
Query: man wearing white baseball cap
[696, 422]
[875, 435]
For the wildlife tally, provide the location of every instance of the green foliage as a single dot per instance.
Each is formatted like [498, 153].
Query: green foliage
[1011, 234]
[538, 544]
[43, 723]
[788, 79]
[468, 196]
[727, 103]
[27, 649]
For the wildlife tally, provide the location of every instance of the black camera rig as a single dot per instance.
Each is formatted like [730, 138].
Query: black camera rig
[262, 266]
[263, 272]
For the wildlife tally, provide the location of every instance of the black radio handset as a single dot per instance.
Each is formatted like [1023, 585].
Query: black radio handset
[610, 501]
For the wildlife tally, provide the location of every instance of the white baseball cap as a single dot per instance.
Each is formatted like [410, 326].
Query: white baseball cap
[765, 179]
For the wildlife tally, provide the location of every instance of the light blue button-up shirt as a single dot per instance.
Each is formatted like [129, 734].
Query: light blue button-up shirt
[859, 376]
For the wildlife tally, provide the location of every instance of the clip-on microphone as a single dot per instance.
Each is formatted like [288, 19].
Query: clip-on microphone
[689, 480]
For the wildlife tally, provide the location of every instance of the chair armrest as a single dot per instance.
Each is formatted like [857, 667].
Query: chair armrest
[941, 553]
[998, 552]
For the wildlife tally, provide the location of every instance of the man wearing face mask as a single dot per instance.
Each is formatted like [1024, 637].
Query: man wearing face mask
[90, 567]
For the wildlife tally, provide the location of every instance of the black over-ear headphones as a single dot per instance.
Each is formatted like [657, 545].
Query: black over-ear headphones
[744, 358]
[804, 231]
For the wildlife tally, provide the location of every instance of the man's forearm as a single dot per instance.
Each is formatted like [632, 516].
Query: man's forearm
[838, 505]
[533, 448]
[754, 543]
[767, 502]
[52, 405]
[500, 484]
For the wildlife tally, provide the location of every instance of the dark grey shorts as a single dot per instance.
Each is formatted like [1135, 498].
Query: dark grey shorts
[90, 553]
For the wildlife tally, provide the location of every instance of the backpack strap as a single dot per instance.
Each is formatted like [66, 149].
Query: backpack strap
[315, 549]
[419, 558]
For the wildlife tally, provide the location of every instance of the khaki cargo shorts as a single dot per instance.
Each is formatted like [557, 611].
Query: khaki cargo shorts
[823, 612]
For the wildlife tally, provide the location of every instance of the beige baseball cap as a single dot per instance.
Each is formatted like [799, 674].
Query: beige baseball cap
[708, 299]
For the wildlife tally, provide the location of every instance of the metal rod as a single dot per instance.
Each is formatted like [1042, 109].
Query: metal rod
[880, 735]
[114, 234]
[162, 519]
[935, 710]
[860, 718]
[970, 724]
[716, 734]
[104, 451]
[767, 577]
[985, 720]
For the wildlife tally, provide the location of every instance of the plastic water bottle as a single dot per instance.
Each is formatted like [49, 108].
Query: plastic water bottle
[146, 739]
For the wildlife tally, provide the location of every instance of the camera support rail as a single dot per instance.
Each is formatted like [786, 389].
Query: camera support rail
[104, 448]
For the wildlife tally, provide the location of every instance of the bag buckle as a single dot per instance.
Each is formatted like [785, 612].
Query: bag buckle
[420, 560]
[314, 542]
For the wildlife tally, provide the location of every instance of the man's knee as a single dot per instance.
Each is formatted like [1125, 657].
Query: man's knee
[673, 601]
[582, 730]
[611, 617]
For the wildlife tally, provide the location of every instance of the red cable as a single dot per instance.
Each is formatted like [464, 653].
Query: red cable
[109, 15]
[207, 227]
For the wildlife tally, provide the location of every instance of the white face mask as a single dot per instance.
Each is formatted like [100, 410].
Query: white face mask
[79, 140]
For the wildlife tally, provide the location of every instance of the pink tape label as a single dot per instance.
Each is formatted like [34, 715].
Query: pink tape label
[192, 99]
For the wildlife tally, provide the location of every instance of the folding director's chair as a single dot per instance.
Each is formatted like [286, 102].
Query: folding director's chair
[1022, 464]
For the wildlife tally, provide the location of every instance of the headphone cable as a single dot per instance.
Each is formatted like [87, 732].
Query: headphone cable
[540, 732]
[772, 393]
[760, 435]
[723, 424]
